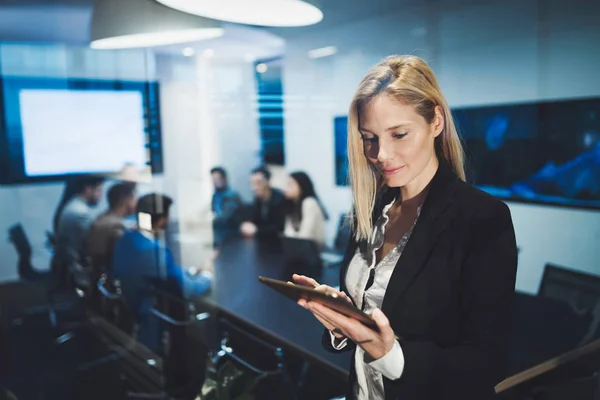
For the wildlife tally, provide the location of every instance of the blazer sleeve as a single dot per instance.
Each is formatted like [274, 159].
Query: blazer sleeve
[476, 365]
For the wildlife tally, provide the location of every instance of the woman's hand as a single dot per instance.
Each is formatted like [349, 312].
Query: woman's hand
[310, 282]
[376, 344]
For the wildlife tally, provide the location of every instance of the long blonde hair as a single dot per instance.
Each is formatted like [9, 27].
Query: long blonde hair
[411, 81]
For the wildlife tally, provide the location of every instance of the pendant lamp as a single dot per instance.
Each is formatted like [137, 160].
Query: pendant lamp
[122, 24]
[281, 13]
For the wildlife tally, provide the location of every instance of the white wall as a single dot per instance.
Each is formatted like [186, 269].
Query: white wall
[208, 112]
[209, 115]
[499, 52]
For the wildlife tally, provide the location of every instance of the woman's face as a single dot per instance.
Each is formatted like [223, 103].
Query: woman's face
[397, 141]
[292, 191]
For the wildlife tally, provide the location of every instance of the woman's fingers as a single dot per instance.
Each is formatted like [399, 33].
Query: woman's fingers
[327, 323]
[316, 310]
[383, 324]
[333, 317]
[345, 296]
[305, 281]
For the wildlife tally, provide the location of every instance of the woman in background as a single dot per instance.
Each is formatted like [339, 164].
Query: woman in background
[306, 215]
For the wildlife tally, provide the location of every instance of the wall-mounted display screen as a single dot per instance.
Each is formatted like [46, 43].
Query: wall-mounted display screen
[53, 128]
[546, 152]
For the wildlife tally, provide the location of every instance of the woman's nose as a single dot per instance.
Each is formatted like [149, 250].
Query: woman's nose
[383, 154]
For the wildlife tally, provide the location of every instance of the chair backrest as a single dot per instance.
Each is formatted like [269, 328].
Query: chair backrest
[301, 253]
[579, 289]
[342, 236]
[19, 239]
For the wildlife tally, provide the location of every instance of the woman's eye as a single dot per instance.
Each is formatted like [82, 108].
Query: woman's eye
[369, 139]
[399, 135]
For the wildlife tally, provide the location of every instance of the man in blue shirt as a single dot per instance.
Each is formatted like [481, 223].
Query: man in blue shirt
[140, 255]
[226, 207]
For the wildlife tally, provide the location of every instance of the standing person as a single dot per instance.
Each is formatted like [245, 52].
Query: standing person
[306, 215]
[432, 259]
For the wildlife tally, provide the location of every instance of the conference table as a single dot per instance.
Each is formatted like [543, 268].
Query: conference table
[237, 294]
[538, 324]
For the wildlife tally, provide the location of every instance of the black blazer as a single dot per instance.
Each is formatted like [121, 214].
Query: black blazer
[449, 298]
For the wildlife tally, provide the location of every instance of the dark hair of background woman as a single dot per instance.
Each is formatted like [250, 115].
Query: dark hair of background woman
[306, 190]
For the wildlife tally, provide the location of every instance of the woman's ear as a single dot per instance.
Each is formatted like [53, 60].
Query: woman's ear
[437, 125]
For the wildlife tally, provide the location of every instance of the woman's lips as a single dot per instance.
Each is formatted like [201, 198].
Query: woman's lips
[391, 171]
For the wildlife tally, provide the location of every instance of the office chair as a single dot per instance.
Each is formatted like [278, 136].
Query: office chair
[333, 257]
[580, 290]
[26, 271]
[342, 236]
[251, 356]
[47, 279]
[18, 238]
[177, 314]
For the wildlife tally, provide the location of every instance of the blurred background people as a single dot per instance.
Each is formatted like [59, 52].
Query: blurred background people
[108, 228]
[267, 213]
[140, 256]
[306, 215]
[72, 220]
[226, 207]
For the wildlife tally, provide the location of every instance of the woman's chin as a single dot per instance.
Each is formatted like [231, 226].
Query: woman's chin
[394, 181]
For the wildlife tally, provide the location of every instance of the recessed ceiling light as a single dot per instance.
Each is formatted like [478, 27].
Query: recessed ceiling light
[261, 68]
[322, 52]
[256, 12]
[188, 51]
[208, 53]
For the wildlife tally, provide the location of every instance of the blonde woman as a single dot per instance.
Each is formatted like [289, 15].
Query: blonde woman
[432, 259]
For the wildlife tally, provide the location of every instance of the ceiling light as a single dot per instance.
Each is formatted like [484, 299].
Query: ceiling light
[322, 52]
[188, 51]
[261, 68]
[208, 53]
[252, 12]
[118, 24]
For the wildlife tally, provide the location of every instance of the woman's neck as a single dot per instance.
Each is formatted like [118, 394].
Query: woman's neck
[416, 187]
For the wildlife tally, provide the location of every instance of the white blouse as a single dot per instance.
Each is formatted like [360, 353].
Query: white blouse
[312, 225]
[369, 373]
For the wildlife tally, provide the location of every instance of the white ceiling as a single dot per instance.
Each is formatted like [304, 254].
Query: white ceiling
[67, 21]
[335, 12]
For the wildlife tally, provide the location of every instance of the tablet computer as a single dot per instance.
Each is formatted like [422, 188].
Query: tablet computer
[331, 300]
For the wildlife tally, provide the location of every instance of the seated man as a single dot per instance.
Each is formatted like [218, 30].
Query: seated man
[108, 228]
[140, 255]
[268, 211]
[226, 207]
[72, 221]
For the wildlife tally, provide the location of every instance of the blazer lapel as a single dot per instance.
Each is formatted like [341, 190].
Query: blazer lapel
[430, 224]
